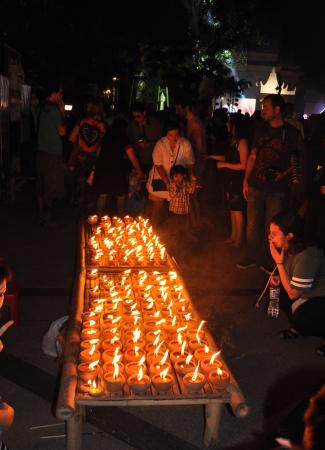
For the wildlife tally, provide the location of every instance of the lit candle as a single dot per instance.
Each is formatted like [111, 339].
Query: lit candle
[209, 363]
[94, 389]
[87, 344]
[194, 381]
[219, 378]
[162, 381]
[88, 371]
[92, 274]
[158, 366]
[177, 354]
[114, 381]
[133, 367]
[89, 333]
[89, 355]
[184, 365]
[203, 352]
[139, 383]
[134, 354]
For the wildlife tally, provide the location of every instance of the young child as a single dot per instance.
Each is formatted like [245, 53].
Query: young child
[180, 190]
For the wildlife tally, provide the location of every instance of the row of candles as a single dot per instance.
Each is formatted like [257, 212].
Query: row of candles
[124, 242]
[137, 331]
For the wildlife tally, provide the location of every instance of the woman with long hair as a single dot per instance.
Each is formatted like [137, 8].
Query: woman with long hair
[301, 267]
[234, 165]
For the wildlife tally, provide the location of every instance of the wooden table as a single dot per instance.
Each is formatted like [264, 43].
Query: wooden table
[71, 405]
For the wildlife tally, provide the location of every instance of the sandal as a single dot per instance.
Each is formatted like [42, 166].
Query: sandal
[289, 333]
[321, 350]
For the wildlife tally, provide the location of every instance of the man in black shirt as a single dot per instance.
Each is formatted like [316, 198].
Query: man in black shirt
[269, 172]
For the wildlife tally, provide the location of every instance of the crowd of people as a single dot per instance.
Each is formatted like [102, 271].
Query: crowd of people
[269, 170]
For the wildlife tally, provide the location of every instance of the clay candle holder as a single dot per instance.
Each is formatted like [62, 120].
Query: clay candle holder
[88, 371]
[89, 355]
[111, 344]
[184, 365]
[162, 381]
[202, 353]
[89, 333]
[114, 381]
[132, 368]
[139, 383]
[130, 343]
[134, 354]
[194, 344]
[90, 316]
[219, 378]
[208, 364]
[194, 381]
[84, 386]
[151, 336]
[92, 220]
[109, 367]
[91, 324]
[175, 355]
[150, 347]
[109, 355]
[94, 389]
[92, 274]
[87, 344]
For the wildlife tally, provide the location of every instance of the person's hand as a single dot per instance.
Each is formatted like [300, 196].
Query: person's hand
[322, 190]
[3, 329]
[221, 165]
[7, 414]
[277, 255]
[245, 190]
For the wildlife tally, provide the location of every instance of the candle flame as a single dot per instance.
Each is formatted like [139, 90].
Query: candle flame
[183, 348]
[116, 371]
[93, 365]
[163, 374]
[174, 321]
[92, 323]
[164, 358]
[161, 321]
[142, 361]
[116, 359]
[140, 374]
[188, 359]
[136, 350]
[200, 326]
[114, 339]
[214, 356]
[93, 341]
[156, 351]
[219, 372]
[194, 377]
[206, 349]
[93, 384]
[92, 350]
[180, 338]
[156, 341]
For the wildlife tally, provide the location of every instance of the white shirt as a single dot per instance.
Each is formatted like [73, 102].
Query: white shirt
[164, 156]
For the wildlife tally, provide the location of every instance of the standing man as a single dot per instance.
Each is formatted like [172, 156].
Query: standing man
[143, 132]
[267, 178]
[50, 173]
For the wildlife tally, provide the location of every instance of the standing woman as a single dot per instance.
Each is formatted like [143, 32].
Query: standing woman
[234, 162]
[110, 179]
[302, 272]
[169, 151]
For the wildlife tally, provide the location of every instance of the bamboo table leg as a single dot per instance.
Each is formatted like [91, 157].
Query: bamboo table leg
[74, 429]
[212, 421]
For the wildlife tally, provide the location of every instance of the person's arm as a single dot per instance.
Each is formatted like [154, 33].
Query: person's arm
[172, 188]
[249, 168]
[163, 175]
[3, 329]
[279, 257]
[243, 155]
[7, 415]
[216, 157]
[134, 161]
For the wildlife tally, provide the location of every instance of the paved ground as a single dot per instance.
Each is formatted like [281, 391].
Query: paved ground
[274, 375]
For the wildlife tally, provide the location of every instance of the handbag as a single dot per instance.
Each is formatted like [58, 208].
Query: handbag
[157, 183]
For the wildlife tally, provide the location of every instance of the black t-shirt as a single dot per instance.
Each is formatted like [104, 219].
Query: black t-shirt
[275, 147]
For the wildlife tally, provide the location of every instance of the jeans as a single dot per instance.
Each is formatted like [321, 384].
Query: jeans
[261, 207]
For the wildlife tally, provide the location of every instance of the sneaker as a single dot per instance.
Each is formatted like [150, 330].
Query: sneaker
[246, 263]
[265, 268]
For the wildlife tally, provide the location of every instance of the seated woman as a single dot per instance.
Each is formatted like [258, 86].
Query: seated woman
[302, 272]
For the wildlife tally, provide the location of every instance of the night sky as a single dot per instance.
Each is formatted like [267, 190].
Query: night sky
[85, 41]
